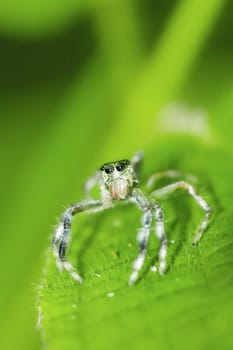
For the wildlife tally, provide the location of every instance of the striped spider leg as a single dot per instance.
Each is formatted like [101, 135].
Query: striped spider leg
[62, 234]
[149, 207]
[165, 191]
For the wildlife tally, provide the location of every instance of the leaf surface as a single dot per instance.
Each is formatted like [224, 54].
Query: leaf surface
[190, 307]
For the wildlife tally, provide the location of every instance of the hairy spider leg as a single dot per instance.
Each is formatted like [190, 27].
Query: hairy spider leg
[62, 234]
[142, 237]
[147, 205]
[144, 205]
[160, 233]
[170, 174]
[168, 190]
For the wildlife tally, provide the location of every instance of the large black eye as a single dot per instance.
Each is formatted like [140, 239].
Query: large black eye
[107, 168]
[122, 165]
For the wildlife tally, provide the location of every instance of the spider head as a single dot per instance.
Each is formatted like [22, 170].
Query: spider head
[118, 178]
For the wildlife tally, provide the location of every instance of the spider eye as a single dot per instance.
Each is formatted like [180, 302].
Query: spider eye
[122, 165]
[108, 168]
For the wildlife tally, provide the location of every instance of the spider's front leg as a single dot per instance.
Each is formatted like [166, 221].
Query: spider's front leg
[160, 233]
[148, 206]
[62, 235]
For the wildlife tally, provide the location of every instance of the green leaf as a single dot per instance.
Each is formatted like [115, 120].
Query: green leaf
[190, 307]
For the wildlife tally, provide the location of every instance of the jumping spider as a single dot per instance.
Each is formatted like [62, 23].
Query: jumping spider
[119, 181]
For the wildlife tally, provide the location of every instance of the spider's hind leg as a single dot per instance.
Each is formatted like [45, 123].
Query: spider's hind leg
[167, 190]
[169, 174]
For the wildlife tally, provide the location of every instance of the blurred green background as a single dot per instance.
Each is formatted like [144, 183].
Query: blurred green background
[84, 82]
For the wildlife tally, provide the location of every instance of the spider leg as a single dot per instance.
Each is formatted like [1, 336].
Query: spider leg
[167, 190]
[136, 162]
[62, 235]
[160, 233]
[143, 236]
[90, 183]
[170, 174]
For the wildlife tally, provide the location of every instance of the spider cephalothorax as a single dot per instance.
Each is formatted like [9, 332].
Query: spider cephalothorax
[119, 182]
[118, 179]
